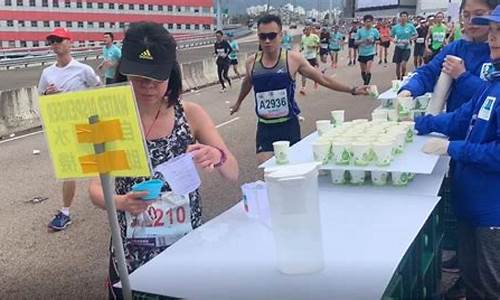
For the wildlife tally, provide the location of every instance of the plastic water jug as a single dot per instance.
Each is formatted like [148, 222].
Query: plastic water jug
[296, 225]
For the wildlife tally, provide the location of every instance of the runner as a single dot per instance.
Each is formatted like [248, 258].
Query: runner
[172, 128]
[310, 44]
[66, 75]
[222, 50]
[437, 35]
[403, 33]
[419, 49]
[385, 41]
[353, 48]
[477, 174]
[233, 55]
[336, 41]
[324, 41]
[287, 41]
[366, 38]
[111, 54]
[271, 73]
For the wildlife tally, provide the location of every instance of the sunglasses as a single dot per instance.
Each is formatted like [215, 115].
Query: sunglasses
[55, 40]
[268, 36]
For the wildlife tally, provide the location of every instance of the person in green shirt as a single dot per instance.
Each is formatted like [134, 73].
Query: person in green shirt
[402, 33]
[366, 38]
[335, 44]
[233, 56]
[309, 45]
[437, 35]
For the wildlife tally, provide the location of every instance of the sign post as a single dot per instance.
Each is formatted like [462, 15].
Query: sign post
[104, 122]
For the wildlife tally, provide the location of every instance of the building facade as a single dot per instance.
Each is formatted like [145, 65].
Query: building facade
[26, 23]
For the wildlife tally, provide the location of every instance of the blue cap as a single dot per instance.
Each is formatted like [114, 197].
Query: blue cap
[486, 20]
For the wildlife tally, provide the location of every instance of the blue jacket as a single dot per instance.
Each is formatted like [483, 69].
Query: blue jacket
[464, 87]
[476, 178]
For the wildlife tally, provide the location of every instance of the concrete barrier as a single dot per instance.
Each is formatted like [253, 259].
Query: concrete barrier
[18, 110]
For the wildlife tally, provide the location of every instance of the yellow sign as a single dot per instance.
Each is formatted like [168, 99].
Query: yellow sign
[70, 137]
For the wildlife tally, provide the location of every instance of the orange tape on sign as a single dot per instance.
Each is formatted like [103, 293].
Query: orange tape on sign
[104, 162]
[98, 133]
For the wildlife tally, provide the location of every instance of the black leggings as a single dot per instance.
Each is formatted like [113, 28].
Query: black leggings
[222, 69]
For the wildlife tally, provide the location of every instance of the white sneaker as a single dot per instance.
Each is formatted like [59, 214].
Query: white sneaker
[222, 90]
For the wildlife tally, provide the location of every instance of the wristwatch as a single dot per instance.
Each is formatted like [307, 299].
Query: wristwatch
[353, 90]
[223, 157]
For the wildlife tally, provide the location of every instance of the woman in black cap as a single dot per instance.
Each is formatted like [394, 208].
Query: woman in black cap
[171, 128]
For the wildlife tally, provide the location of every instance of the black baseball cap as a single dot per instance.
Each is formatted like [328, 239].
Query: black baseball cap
[149, 51]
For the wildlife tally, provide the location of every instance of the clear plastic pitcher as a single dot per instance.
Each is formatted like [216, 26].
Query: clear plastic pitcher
[295, 218]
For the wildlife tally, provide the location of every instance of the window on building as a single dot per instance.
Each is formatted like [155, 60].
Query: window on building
[19, 3]
[120, 6]
[180, 8]
[196, 10]
[111, 24]
[21, 23]
[101, 24]
[179, 26]
[80, 24]
[89, 4]
[57, 24]
[150, 7]
[188, 26]
[196, 26]
[12, 44]
[131, 6]
[45, 3]
[10, 23]
[111, 6]
[55, 3]
[69, 24]
[36, 44]
[34, 23]
[205, 10]
[23, 44]
[81, 43]
[67, 4]
[32, 3]
[90, 24]
[100, 5]
[121, 25]
[206, 26]
[170, 26]
[170, 8]
[8, 2]
[160, 7]
[79, 4]
[46, 24]
[141, 6]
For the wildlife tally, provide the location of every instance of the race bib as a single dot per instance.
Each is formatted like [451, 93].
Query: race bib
[221, 52]
[438, 36]
[162, 224]
[272, 104]
[324, 46]
[420, 40]
[485, 70]
[487, 108]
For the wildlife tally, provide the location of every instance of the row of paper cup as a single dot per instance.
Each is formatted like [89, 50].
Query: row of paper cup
[362, 142]
[375, 177]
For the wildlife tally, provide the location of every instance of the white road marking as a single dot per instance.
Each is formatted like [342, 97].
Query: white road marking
[227, 122]
[21, 136]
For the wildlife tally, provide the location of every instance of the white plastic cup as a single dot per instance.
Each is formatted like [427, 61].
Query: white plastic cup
[392, 115]
[357, 176]
[322, 151]
[281, 152]
[360, 153]
[400, 138]
[323, 126]
[379, 115]
[399, 178]
[396, 85]
[410, 130]
[382, 153]
[405, 106]
[341, 152]
[379, 177]
[373, 91]
[338, 176]
[337, 117]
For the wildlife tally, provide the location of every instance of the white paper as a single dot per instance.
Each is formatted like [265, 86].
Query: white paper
[181, 174]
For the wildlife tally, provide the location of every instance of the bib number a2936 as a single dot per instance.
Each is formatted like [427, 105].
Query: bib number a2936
[272, 104]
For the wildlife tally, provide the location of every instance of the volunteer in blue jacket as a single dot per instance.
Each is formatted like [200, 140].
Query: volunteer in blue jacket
[476, 177]
[474, 51]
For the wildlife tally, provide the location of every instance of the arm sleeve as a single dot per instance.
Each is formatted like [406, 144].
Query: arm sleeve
[484, 156]
[91, 78]
[469, 83]
[451, 124]
[426, 76]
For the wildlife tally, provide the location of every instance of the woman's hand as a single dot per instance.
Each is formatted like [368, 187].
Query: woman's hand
[453, 67]
[132, 202]
[205, 156]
